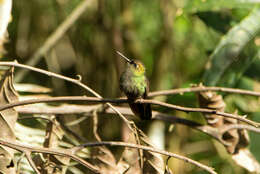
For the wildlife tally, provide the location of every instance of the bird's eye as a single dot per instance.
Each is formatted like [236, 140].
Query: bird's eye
[136, 65]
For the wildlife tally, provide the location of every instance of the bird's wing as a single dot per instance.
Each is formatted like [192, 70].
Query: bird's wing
[147, 112]
[146, 89]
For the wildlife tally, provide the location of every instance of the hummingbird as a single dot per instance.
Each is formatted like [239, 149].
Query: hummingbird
[134, 84]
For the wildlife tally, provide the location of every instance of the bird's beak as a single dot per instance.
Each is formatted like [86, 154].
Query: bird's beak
[127, 59]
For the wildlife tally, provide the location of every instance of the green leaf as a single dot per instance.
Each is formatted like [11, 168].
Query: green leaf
[230, 47]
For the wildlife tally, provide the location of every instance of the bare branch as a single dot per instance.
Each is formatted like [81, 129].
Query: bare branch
[148, 148]
[50, 74]
[32, 164]
[203, 89]
[102, 100]
[61, 99]
[61, 152]
[75, 81]
[202, 110]
[240, 126]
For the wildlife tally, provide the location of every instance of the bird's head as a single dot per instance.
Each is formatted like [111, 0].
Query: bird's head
[135, 66]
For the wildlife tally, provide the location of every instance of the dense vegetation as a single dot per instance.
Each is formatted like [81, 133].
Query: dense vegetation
[181, 43]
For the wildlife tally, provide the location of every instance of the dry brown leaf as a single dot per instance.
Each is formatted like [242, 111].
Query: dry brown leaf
[102, 157]
[153, 162]
[53, 164]
[211, 100]
[238, 139]
[8, 119]
[105, 160]
[130, 161]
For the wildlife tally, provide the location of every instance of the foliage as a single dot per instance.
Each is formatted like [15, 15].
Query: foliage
[181, 43]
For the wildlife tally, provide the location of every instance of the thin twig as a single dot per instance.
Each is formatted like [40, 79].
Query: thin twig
[55, 36]
[50, 74]
[63, 109]
[202, 110]
[147, 148]
[61, 99]
[75, 81]
[84, 109]
[18, 164]
[102, 100]
[32, 164]
[60, 152]
[203, 89]
[240, 126]
[216, 133]
[88, 109]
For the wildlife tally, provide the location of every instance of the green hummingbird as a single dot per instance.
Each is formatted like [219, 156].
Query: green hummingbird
[134, 84]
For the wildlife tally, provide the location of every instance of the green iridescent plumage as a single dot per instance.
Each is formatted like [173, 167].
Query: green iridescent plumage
[134, 84]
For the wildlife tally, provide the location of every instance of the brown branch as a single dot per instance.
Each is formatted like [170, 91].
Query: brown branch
[240, 126]
[18, 163]
[60, 152]
[147, 148]
[84, 109]
[61, 99]
[70, 152]
[29, 159]
[75, 81]
[195, 89]
[203, 89]
[63, 109]
[202, 110]
[102, 100]
[50, 74]
[216, 133]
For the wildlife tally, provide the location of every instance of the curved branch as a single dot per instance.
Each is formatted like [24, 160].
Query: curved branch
[202, 110]
[75, 81]
[203, 89]
[102, 100]
[79, 83]
[32, 164]
[147, 148]
[60, 152]
[240, 126]
[151, 94]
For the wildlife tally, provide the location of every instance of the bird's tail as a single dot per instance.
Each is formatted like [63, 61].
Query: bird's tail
[143, 110]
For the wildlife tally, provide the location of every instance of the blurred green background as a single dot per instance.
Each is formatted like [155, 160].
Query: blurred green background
[181, 42]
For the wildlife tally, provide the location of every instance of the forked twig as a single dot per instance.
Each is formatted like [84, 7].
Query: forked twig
[102, 100]
[203, 89]
[147, 148]
[75, 81]
[60, 152]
